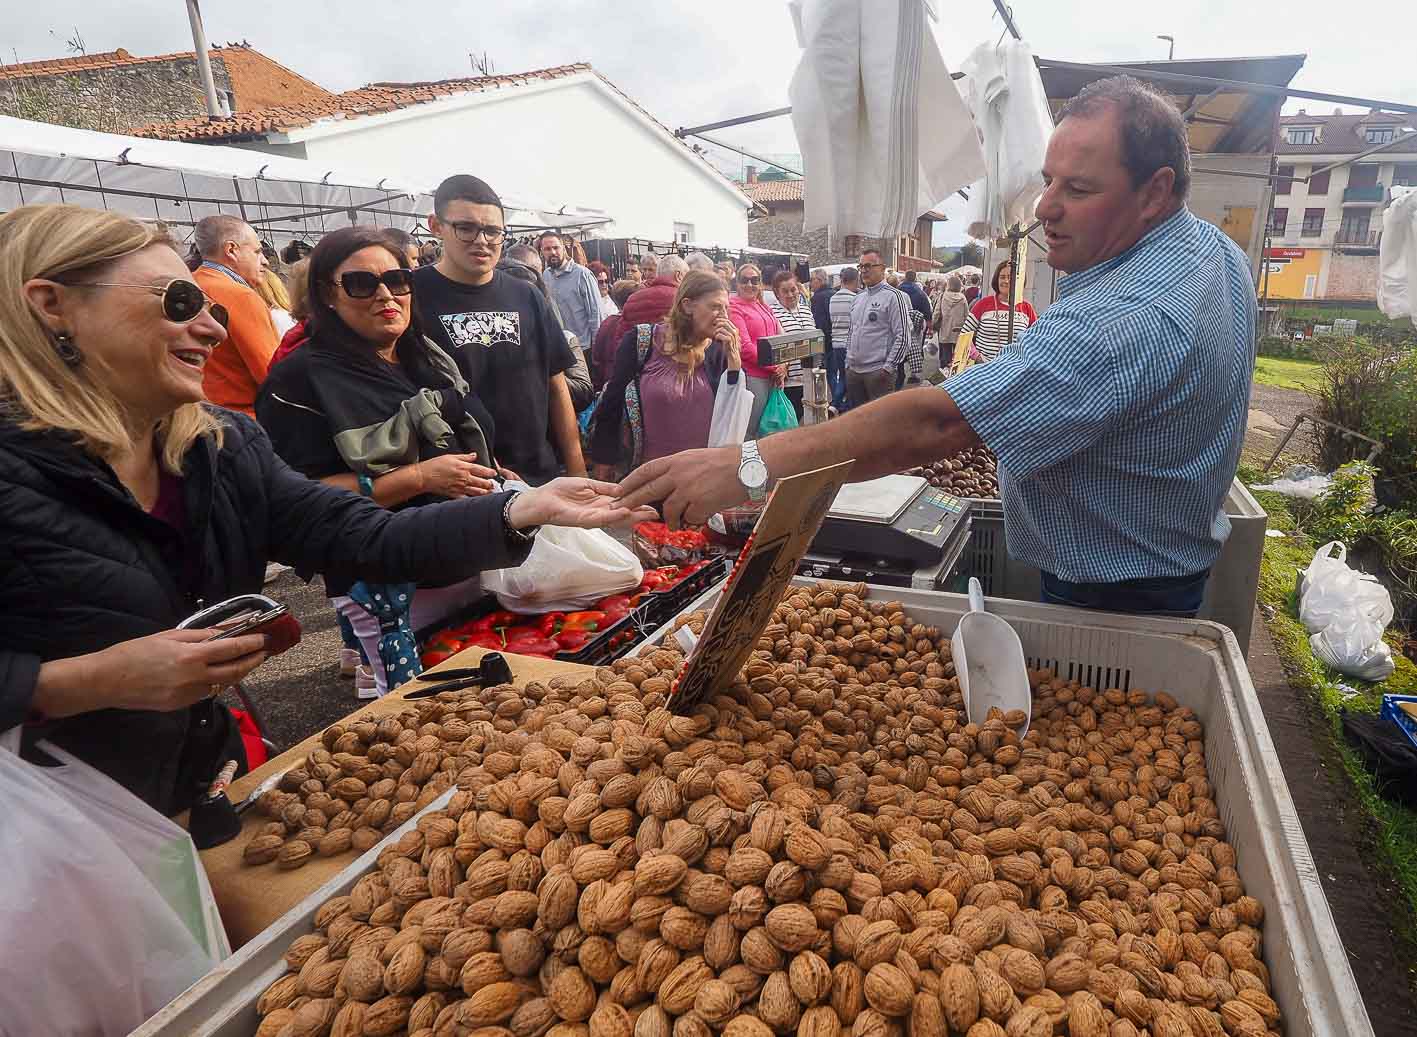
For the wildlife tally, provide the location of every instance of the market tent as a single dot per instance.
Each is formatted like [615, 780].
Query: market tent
[180, 183]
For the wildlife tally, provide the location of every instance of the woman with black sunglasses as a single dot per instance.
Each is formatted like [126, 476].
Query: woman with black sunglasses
[127, 503]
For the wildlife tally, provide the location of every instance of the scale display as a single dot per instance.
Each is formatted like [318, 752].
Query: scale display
[775, 350]
[897, 519]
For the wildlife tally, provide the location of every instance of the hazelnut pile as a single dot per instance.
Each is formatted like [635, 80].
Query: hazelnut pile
[828, 848]
[970, 473]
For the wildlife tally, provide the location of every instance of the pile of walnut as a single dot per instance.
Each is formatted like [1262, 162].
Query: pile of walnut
[829, 849]
[970, 473]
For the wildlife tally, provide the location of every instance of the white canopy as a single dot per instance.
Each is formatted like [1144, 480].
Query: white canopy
[179, 183]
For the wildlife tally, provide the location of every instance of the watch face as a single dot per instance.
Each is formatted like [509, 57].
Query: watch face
[753, 473]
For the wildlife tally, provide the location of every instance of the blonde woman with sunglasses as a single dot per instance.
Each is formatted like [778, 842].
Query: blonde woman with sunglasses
[127, 503]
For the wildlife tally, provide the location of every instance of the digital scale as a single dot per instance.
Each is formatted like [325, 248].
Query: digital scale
[897, 531]
[774, 350]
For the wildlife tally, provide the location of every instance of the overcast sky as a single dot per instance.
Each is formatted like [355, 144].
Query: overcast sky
[697, 62]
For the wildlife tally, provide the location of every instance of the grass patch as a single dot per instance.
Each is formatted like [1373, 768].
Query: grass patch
[1289, 372]
[1394, 827]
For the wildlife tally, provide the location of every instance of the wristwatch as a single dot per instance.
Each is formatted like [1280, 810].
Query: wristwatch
[752, 472]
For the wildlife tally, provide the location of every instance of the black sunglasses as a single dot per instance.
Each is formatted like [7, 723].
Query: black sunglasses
[361, 284]
[750, 280]
[182, 301]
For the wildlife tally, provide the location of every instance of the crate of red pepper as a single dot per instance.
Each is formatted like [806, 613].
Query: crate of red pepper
[594, 636]
[656, 544]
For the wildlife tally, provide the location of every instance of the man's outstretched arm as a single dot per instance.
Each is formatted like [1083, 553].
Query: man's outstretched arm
[902, 430]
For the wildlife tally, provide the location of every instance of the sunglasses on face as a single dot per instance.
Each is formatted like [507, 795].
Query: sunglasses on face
[182, 301]
[361, 284]
[750, 280]
[469, 232]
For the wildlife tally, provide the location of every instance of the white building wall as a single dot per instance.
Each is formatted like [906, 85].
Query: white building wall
[1237, 205]
[570, 144]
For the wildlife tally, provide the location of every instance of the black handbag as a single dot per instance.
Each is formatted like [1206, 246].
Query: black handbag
[1386, 752]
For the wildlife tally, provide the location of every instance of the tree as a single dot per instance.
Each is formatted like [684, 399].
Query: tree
[772, 173]
[972, 254]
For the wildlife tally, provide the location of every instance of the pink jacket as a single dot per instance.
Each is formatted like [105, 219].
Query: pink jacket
[753, 320]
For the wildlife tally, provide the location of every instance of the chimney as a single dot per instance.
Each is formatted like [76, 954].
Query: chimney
[752, 174]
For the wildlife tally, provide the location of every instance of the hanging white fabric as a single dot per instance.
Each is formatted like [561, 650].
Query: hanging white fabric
[1397, 256]
[1010, 107]
[884, 133]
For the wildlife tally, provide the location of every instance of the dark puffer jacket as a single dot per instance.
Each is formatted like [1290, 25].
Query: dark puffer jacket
[84, 567]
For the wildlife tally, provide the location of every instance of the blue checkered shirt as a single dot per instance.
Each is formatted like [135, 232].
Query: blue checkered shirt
[1118, 418]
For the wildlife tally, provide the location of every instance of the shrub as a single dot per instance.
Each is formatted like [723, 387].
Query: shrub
[1371, 388]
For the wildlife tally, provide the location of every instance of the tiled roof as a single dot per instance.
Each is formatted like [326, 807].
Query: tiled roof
[256, 80]
[259, 82]
[373, 99]
[775, 190]
[1344, 134]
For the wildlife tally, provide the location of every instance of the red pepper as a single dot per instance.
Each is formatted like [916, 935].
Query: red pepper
[573, 640]
[533, 646]
[550, 623]
[652, 579]
[584, 621]
[613, 601]
[490, 640]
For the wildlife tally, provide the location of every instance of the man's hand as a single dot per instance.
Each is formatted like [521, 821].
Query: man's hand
[693, 484]
[575, 502]
[455, 475]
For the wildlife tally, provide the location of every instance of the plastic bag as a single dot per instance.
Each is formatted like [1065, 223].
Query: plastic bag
[732, 409]
[1345, 612]
[567, 569]
[1301, 480]
[100, 886]
[778, 415]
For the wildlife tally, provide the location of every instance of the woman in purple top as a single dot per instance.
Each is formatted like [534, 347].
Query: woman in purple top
[674, 380]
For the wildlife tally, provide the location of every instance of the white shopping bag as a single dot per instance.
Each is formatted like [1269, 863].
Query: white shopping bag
[732, 408]
[107, 913]
[1345, 611]
[567, 569]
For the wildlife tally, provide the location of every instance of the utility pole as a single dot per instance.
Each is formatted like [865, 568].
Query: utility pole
[1171, 51]
[204, 61]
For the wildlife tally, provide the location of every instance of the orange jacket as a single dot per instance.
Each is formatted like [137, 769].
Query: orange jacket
[237, 367]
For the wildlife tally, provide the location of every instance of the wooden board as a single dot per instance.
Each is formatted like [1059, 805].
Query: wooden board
[767, 565]
[251, 898]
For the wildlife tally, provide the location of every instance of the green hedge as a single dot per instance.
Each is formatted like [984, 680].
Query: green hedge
[1287, 348]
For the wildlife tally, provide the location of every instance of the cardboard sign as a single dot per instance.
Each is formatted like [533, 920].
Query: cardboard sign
[784, 531]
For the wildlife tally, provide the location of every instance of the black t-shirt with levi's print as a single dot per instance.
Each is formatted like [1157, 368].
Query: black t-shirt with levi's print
[508, 344]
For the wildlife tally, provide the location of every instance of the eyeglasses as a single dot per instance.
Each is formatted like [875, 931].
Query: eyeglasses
[468, 232]
[750, 280]
[361, 284]
[182, 301]
[869, 266]
[602, 280]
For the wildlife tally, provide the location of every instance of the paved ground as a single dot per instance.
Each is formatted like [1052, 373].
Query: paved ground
[1272, 411]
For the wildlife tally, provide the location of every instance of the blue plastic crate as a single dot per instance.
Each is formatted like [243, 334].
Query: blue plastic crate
[1397, 716]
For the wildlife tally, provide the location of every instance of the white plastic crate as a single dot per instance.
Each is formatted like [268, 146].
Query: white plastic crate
[1229, 593]
[1200, 665]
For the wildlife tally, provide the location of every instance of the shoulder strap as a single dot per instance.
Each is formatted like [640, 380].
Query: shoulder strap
[644, 339]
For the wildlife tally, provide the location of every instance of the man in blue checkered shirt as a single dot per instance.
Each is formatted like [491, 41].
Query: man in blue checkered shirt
[1117, 418]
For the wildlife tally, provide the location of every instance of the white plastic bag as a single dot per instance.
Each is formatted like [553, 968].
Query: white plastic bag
[567, 569]
[732, 408]
[1345, 612]
[99, 886]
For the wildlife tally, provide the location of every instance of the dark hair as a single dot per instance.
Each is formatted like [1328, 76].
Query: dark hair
[597, 268]
[548, 234]
[401, 240]
[872, 252]
[334, 248]
[782, 275]
[1153, 134]
[295, 251]
[464, 188]
[910, 276]
[851, 274]
[994, 281]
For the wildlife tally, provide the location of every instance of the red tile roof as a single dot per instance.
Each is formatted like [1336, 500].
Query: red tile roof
[374, 99]
[775, 190]
[256, 80]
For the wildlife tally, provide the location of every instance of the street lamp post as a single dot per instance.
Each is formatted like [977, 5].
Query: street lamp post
[1171, 50]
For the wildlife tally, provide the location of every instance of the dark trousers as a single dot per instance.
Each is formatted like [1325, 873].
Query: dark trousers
[1174, 596]
[863, 388]
[836, 376]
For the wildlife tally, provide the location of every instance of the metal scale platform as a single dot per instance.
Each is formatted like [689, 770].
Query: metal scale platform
[897, 531]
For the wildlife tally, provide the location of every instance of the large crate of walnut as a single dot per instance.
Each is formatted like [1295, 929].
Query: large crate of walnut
[1200, 665]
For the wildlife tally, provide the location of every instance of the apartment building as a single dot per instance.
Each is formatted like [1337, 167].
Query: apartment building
[1324, 229]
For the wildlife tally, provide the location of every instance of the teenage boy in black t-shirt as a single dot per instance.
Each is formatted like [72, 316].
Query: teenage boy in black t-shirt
[501, 332]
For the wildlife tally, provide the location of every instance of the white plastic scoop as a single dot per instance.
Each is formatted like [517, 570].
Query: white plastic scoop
[989, 663]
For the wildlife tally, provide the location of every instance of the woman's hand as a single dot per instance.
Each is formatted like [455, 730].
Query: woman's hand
[455, 475]
[726, 334]
[163, 672]
[508, 475]
[779, 375]
[575, 502]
